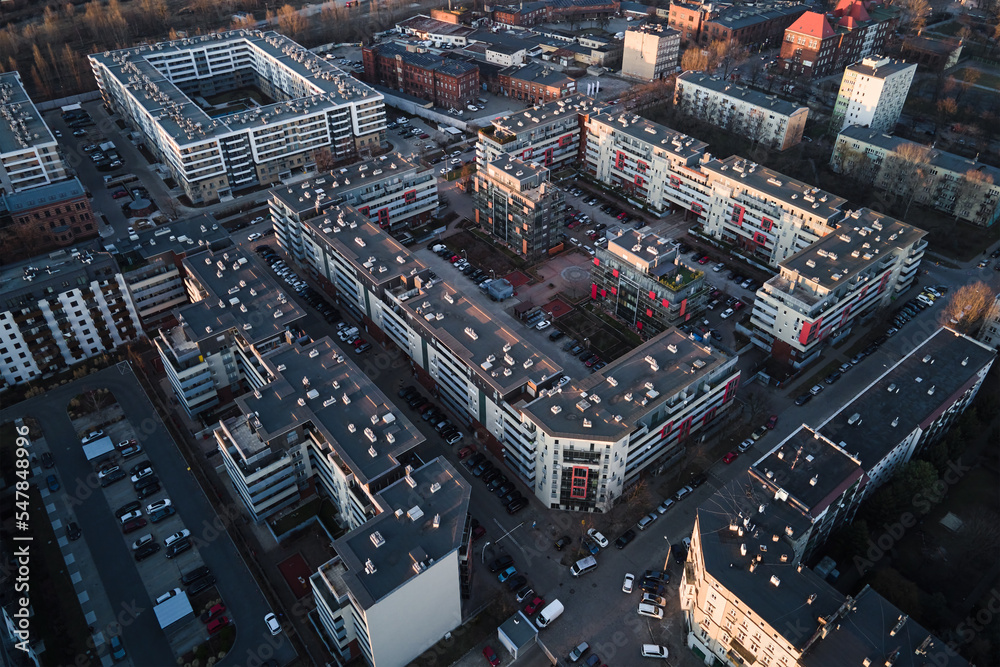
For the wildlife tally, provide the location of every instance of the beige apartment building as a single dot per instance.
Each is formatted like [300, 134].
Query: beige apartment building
[651, 52]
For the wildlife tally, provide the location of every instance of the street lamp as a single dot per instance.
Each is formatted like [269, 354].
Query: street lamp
[484, 551]
[465, 254]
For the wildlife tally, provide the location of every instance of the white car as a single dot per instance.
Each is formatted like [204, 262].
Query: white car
[654, 651]
[718, 267]
[169, 594]
[727, 313]
[107, 471]
[655, 600]
[145, 472]
[456, 162]
[125, 518]
[563, 381]
[597, 537]
[651, 611]
[255, 236]
[179, 535]
[544, 324]
[272, 624]
[627, 584]
[259, 218]
[158, 505]
[746, 444]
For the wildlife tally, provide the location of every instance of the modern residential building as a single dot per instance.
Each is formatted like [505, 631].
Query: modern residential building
[823, 290]
[439, 32]
[759, 25]
[967, 189]
[818, 44]
[151, 262]
[989, 332]
[762, 118]
[44, 218]
[317, 423]
[763, 212]
[60, 309]
[872, 94]
[651, 52]
[594, 437]
[518, 206]
[639, 279]
[29, 155]
[549, 135]
[309, 108]
[394, 588]
[393, 192]
[447, 82]
[535, 84]
[237, 314]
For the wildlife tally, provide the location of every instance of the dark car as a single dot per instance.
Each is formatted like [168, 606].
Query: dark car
[556, 335]
[698, 480]
[510, 497]
[497, 481]
[625, 538]
[475, 460]
[656, 576]
[680, 554]
[772, 421]
[195, 574]
[563, 542]
[147, 491]
[146, 481]
[112, 477]
[502, 563]
[478, 532]
[180, 546]
[504, 489]
[516, 582]
[73, 531]
[482, 469]
[517, 505]
[653, 588]
[128, 507]
[803, 399]
[146, 551]
[832, 377]
[201, 584]
[52, 482]
[47, 460]
[490, 477]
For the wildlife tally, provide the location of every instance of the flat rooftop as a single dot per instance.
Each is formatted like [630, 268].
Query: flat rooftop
[660, 136]
[645, 251]
[537, 73]
[880, 68]
[320, 384]
[863, 238]
[772, 103]
[21, 126]
[27, 282]
[426, 24]
[523, 176]
[409, 543]
[43, 195]
[180, 237]
[811, 469]
[804, 198]
[240, 295]
[608, 404]
[741, 16]
[911, 394]
[529, 119]
[136, 69]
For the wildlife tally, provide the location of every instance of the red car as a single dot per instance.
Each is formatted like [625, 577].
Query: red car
[737, 305]
[730, 457]
[119, 194]
[133, 525]
[454, 258]
[217, 624]
[213, 612]
[534, 606]
[466, 451]
[491, 656]
[772, 421]
[703, 260]
[478, 532]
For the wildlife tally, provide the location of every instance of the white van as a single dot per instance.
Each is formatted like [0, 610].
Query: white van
[583, 566]
[550, 613]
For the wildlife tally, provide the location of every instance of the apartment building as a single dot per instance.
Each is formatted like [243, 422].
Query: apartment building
[594, 437]
[819, 44]
[60, 309]
[762, 118]
[236, 315]
[152, 263]
[651, 52]
[989, 332]
[761, 24]
[639, 279]
[959, 186]
[391, 191]
[394, 588]
[44, 218]
[535, 84]
[821, 291]
[316, 424]
[213, 150]
[549, 135]
[763, 212]
[447, 82]
[518, 206]
[872, 94]
[29, 154]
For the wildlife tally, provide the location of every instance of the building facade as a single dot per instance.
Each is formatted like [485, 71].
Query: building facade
[964, 188]
[989, 332]
[535, 84]
[651, 52]
[872, 94]
[214, 150]
[760, 117]
[840, 279]
[446, 82]
[760, 25]
[518, 205]
[44, 218]
[639, 279]
[29, 154]
[61, 309]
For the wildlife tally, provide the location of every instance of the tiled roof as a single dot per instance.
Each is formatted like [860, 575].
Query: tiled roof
[812, 24]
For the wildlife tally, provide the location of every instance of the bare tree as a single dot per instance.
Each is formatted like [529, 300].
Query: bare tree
[291, 22]
[967, 307]
[855, 164]
[914, 13]
[726, 54]
[695, 59]
[969, 193]
[758, 402]
[906, 171]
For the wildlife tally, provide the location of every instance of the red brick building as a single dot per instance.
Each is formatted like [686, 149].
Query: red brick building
[535, 84]
[446, 82]
[44, 219]
[524, 15]
[527, 14]
[748, 25]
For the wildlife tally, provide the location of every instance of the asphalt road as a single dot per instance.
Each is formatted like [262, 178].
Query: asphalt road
[143, 638]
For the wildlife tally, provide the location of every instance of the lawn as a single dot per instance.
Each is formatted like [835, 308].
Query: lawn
[985, 79]
[958, 240]
[949, 28]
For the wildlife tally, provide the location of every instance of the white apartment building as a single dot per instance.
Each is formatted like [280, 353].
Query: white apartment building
[872, 94]
[763, 212]
[302, 104]
[236, 315]
[989, 333]
[60, 309]
[964, 188]
[549, 135]
[393, 590]
[594, 437]
[821, 291]
[765, 119]
[29, 155]
[651, 52]
[391, 191]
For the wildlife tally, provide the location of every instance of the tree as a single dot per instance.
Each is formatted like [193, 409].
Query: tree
[905, 172]
[946, 109]
[290, 21]
[915, 13]
[694, 59]
[898, 590]
[967, 307]
[969, 192]
[726, 54]
[855, 164]
[758, 402]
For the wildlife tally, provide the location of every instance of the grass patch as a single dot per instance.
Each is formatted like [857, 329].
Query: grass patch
[293, 519]
[960, 241]
[465, 637]
[949, 28]
[988, 80]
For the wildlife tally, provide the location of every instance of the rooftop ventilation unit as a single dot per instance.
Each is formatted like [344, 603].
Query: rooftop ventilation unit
[415, 513]
[370, 567]
[377, 539]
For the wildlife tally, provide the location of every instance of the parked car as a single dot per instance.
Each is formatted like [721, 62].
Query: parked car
[628, 583]
[625, 538]
[598, 537]
[681, 492]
